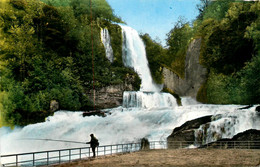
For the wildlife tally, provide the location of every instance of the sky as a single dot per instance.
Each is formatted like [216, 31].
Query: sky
[155, 17]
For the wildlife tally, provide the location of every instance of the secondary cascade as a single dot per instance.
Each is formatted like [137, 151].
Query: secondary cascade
[105, 38]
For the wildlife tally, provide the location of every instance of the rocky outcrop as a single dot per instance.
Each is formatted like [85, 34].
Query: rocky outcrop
[247, 139]
[257, 109]
[195, 74]
[186, 131]
[54, 105]
[187, 134]
[110, 96]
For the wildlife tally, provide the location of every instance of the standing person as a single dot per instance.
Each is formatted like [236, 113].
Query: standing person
[93, 144]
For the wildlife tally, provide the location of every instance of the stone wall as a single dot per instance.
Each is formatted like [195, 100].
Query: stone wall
[195, 74]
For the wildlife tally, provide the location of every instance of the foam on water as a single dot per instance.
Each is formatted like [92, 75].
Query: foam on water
[148, 100]
[145, 113]
[125, 125]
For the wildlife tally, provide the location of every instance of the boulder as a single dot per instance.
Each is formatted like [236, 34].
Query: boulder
[94, 113]
[185, 133]
[54, 106]
[257, 109]
[249, 139]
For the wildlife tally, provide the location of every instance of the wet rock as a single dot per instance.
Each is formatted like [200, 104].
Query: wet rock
[246, 107]
[249, 139]
[54, 105]
[257, 109]
[94, 113]
[185, 133]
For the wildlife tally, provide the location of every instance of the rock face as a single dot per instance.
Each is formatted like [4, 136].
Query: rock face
[195, 74]
[184, 136]
[244, 140]
[110, 96]
[186, 132]
[257, 109]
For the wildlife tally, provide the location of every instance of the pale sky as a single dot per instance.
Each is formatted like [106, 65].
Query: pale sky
[155, 17]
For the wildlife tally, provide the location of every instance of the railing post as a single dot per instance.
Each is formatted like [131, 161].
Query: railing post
[116, 148]
[104, 150]
[33, 159]
[80, 153]
[69, 155]
[111, 147]
[47, 157]
[97, 151]
[16, 160]
[89, 152]
[59, 157]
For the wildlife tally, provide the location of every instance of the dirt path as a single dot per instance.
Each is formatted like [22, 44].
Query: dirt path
[179, 158]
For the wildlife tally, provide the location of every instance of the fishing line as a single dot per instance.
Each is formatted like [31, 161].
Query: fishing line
[65, 141]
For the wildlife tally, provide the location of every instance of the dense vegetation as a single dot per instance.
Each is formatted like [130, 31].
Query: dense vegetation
[46, 54]
[230, 50]
[154, 53]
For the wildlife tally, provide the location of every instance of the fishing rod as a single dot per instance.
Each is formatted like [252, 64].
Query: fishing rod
[65, 141]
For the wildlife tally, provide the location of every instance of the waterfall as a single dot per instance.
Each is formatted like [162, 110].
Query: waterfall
[105, 38]
[148, 100]
[134, 56]
[145, 113]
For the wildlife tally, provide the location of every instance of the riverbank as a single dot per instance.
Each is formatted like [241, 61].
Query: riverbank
[175, 157]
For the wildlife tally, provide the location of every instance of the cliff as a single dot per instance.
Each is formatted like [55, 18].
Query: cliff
[110, 96]
[195, 74]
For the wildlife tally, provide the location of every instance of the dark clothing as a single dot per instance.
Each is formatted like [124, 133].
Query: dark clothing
[93, 144]
[94, 151]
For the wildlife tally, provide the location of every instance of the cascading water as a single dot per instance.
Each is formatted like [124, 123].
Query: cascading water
[146, 113]
[105, 38]
[134, 56]
[148, 100]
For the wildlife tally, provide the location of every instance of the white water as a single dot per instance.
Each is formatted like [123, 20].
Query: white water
[124, 125]
[134, 56]
[144, 114]
[105, 38]
[148, 100]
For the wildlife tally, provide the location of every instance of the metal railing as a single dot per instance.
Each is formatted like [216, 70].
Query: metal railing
[216, 145]
[52, 157]
[45, 158]
[233, 145]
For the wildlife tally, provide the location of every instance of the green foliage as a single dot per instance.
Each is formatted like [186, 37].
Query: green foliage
[46, 54]
[216, 10]
[202, 94]
[224, 46]
[230, 43]
[178, 39]
[154, 53]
